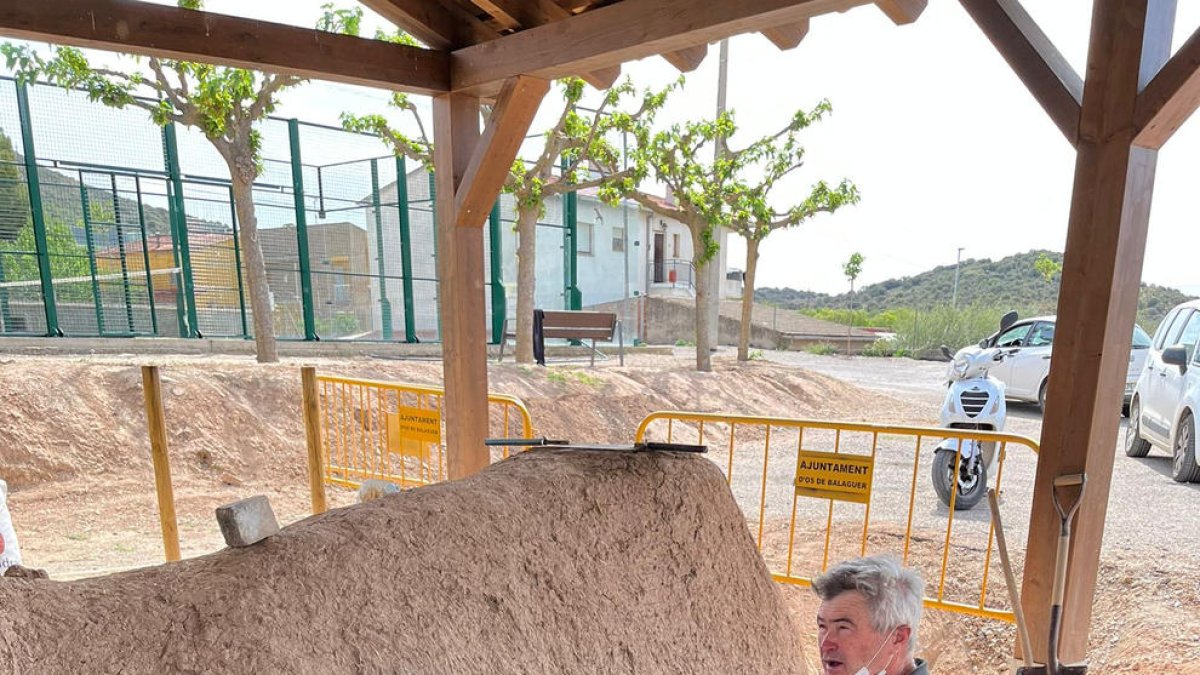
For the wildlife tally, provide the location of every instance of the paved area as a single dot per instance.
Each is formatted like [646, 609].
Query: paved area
[1147, 510]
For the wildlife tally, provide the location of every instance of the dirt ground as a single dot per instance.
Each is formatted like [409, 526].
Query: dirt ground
[73, 448]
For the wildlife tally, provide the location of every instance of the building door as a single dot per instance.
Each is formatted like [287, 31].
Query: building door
[660, 245]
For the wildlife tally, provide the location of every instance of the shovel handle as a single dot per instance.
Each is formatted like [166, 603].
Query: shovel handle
[1010, 579]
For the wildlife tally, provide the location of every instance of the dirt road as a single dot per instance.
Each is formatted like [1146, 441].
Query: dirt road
[1145, 505]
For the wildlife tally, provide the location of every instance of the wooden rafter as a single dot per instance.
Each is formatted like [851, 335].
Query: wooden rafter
[1170, 98]
[493, 157]
[687, 60]
[531, 13]
[902, 11]
[1034, 58]
[600, 38]
[143, 28]
[433, 23]
[787, 37]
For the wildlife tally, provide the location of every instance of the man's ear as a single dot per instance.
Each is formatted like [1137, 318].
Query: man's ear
[901, 636]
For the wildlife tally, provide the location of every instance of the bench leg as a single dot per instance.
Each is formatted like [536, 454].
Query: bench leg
[593, 363]
[621, 343]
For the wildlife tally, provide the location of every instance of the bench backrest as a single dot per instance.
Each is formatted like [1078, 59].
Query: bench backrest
[579, 325]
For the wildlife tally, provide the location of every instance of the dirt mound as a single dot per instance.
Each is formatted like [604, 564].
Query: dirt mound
[232, 421]
[655, 572]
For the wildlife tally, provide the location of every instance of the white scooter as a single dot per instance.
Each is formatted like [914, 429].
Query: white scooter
[973, 401]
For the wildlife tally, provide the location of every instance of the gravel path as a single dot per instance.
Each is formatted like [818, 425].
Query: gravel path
[1145, 504]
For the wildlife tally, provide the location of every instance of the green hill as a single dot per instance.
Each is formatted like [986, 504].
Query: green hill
[1011, 282]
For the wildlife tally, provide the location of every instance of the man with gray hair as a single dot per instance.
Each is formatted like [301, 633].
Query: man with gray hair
[867, 622]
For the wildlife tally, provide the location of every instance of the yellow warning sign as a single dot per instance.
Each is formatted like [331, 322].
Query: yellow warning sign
[409, 428]
[827, 475]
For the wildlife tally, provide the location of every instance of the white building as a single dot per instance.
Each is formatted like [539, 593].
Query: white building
[623, 252]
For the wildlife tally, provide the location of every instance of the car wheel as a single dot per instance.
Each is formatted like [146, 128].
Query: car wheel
[1042, 398]
[1183, 464]
[1135, 445]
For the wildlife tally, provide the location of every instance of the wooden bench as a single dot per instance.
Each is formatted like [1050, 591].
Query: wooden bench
[572, 325]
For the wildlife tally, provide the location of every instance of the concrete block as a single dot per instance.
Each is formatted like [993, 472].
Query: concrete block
[247, 521]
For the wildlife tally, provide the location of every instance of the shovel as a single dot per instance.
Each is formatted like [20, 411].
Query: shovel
[1053, 667]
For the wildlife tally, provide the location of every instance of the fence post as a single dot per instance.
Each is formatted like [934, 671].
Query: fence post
[495, 251]
[572, 298]
[312, 431]
[433, 222]
[97, 301]
[385, 305]
[34, 184]
[187, 290]
[157, 426]
[137, 187]
[237, 264]
[306, 292]
[406, 273]
[116, 204]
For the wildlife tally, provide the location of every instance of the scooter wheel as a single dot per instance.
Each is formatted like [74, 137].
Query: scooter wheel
[971, 486]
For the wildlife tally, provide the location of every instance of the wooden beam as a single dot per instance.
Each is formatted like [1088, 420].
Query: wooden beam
[170, 32]
[1102, 267]
[602, 78]
[532, 13]
[687, 60]
[787, 37]
[460, 289]
[602, 37]
[1170, 98]
[902, 11]
[493, 157]
[1034, 58]
[433, 23]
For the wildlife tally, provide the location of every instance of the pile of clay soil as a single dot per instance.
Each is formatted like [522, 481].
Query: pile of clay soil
[654, 572]
[231, 421]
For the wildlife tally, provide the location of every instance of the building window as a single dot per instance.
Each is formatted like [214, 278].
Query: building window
[675, 243]
[618, 239]
[584, 235]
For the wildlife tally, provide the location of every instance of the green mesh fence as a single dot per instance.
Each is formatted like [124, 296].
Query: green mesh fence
[128, 229]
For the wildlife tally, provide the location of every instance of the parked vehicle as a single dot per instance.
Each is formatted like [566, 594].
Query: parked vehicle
[1030, 342]
[1167, 396]
[973, 401]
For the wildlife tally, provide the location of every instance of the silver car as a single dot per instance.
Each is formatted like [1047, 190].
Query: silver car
[1026, 371]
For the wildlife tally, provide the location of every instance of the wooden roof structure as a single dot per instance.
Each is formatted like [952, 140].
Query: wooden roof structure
[1131, 99]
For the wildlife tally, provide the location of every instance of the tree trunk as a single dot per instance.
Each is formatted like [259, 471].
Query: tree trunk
[526, 281]
[748, 299]
[252, 257]
[703, 320]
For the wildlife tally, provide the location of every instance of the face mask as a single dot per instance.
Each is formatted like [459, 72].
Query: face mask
[864, 671]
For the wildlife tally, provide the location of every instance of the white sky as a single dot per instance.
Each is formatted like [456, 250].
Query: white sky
[946, 145]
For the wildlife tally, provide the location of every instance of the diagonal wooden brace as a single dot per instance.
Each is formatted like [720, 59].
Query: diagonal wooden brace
[492, 159]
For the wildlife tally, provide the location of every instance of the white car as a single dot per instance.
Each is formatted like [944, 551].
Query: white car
[1163, 411]
[1024, 374]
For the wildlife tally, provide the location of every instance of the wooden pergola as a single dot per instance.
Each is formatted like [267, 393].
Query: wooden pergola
[1131, 99]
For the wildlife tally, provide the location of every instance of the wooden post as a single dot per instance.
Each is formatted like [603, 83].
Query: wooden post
[1102, 267]
[470, 172]
[157, 426]
[312, 433]
[460, 289]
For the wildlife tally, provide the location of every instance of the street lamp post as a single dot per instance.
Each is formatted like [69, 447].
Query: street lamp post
[957, 262]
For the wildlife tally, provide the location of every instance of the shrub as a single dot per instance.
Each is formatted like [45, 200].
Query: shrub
[821, 349]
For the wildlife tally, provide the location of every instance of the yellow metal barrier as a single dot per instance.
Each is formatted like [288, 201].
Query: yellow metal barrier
[389, 431]
[761, 458]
